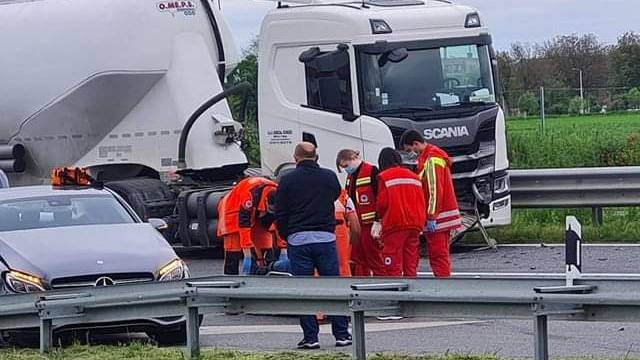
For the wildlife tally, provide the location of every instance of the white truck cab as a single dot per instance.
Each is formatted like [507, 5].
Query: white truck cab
[357, 74]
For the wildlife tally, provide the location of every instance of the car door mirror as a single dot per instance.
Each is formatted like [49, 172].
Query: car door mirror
[158, 224]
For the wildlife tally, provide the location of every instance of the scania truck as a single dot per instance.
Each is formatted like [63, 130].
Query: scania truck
[133, 91]
[357, 74]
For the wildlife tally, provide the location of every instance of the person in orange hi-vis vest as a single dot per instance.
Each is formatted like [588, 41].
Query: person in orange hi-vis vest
[443, 215]
[347, 228]
[401, 208]
[361, 186]
[245, 222]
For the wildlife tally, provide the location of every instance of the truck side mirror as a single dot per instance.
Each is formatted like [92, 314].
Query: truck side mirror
[398, 55]
[395, 56]
[350, 117]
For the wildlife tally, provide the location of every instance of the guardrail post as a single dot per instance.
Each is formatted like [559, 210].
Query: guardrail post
[193, 333]
[542, 338]
[597, 216]
[46, 335]
[359, 340]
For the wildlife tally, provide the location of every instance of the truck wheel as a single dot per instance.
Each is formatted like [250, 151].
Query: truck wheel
[149, 198]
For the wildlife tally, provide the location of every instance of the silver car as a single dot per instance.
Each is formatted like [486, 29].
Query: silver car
[72, 238]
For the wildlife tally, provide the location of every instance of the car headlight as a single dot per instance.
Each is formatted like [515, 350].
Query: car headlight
[23, 283]
[175, 270]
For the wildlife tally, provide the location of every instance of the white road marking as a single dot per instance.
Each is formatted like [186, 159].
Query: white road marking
[551, 245]
[326, 328]
[529, 275]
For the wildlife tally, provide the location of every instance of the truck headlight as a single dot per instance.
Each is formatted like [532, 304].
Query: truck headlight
[175, 270]
[23, 283]
[482, 190]
[501, 184]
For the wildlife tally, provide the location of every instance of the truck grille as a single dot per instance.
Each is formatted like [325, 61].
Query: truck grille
[100, 280]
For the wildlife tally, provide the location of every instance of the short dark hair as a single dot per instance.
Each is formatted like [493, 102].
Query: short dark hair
[410, 136]
[389, 157]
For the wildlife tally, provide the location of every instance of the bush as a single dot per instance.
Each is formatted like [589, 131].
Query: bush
[633, 98]
[528, 104]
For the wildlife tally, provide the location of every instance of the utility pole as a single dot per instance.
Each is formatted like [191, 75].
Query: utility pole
[581, 92]
[542, 105]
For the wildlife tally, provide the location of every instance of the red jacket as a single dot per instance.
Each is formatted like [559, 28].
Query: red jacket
[434, 168]
[401, 203]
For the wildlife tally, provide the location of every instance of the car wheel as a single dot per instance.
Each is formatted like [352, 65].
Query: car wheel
[170, 337]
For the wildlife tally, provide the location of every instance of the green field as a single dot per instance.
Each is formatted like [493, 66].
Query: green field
[573, 141]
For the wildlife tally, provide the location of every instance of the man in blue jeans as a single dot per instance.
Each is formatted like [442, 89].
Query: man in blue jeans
[305, 216]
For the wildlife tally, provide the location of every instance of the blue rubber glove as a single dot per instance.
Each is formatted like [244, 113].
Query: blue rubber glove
[431, 226]
[283, 255]
[282, 266]
[246, 266]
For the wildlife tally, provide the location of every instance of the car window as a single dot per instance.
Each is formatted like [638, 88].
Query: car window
[59, 211]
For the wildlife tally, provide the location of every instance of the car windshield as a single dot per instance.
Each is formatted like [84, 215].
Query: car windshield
[59, 211]
[427, 79]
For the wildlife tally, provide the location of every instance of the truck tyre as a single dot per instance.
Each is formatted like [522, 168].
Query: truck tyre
[149, 198]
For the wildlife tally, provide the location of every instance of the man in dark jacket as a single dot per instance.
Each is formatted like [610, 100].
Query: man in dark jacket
[305, 217]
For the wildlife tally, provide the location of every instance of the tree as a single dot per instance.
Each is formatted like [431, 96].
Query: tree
[528, 104]
[569, 54]
[624, 60]
[247, 71]
[633, 98]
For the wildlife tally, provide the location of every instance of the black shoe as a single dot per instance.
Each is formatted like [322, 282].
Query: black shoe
[344, 342]
[308, 345]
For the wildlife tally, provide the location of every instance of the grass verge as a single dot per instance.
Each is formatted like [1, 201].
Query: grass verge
[529, 226]
[147, 352]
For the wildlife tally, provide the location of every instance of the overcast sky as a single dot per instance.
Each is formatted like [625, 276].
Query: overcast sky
[510, 20]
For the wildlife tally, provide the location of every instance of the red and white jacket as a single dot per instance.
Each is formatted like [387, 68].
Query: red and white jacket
[401, 203]
[360, 188]
[434, 169]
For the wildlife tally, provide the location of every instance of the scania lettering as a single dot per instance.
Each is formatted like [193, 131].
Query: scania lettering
[449, 132]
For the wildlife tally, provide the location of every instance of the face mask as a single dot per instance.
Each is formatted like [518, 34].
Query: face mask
[350, 169]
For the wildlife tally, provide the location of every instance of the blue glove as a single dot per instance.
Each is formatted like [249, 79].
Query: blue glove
[283, 256]
[282, 266]
[246, 266]
[431, 226]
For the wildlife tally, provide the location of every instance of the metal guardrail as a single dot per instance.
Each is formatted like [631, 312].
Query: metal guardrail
[475, 297]
[576, 187]
[478, 296]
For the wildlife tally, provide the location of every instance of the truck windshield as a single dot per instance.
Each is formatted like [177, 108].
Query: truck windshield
[427, 79]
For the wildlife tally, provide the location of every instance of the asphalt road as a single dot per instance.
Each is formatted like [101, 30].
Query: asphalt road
[505, 259]
[506, 338]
